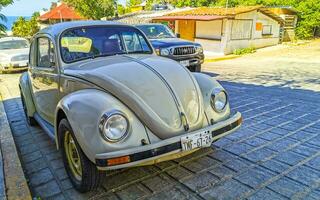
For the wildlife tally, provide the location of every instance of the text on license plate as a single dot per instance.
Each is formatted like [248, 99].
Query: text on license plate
[197, 140]
[184, 63]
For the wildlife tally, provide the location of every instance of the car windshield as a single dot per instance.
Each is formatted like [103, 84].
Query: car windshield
[97, 41]
[156, 31]
[14, 44]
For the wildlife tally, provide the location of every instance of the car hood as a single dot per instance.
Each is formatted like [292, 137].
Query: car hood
[169, 42]
[8, 54]
[163, 94]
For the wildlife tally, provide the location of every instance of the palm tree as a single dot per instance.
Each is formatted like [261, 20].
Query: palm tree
[3, 28]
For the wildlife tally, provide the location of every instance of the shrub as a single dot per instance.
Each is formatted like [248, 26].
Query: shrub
[243, 51]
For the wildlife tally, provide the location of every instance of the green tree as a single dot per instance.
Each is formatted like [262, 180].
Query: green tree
[93, 9]
[26, 28]
[3, 18]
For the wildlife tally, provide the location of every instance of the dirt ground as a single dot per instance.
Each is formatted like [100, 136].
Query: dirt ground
[297, 67]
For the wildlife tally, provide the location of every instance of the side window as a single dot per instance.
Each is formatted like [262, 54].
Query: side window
[45, 56]
[31, 54]
[132, 41]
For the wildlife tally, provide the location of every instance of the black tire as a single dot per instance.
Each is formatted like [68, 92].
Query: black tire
[30, 120]
[91, 177]
[195, 68]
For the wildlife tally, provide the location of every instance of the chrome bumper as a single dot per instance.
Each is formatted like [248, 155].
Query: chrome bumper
[135, 156]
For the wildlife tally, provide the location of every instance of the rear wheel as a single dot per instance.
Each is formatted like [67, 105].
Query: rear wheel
[195, 68]
[83, 173]
[30, 120]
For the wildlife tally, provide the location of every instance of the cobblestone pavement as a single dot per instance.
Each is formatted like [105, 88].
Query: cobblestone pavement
[275, 155]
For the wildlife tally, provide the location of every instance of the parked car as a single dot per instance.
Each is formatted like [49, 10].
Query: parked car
[109, 102]
[166, 44]
[14, 53]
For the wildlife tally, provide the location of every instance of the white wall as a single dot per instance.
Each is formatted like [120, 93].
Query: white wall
[210, 45]
[209, 29]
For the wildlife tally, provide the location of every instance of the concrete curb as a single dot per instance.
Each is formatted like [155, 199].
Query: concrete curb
[15, 181]
[221, 58]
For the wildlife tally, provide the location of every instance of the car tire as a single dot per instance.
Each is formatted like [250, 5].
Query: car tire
[85, 178]
[30, 120]
[197, 68]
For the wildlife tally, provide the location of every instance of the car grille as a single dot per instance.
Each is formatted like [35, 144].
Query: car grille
[184, 51]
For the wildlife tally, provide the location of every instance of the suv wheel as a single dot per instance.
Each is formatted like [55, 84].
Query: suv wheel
[83, 174]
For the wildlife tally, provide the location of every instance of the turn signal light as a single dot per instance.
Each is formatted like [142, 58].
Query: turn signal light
[118, 161]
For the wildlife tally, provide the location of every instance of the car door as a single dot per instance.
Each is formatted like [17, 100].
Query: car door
[45, 78]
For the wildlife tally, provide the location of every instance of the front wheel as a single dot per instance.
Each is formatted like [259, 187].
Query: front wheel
[195, 68]
[83, 173]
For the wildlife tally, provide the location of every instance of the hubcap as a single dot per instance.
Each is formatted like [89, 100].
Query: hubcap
[72, 155]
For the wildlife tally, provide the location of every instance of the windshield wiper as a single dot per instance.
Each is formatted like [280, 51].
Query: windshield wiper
[132, 52]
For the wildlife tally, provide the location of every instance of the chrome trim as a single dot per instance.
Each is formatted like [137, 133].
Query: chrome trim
[213, 96]
[104, 118]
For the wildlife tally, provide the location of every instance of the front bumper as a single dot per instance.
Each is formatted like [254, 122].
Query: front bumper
[14, 65]
[196, 59]
[138, 155]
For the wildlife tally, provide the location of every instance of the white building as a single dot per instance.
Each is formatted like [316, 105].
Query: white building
[222, 30]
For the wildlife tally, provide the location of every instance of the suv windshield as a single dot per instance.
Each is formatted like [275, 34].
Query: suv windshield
[156, 31]
[14, 44]
[91, 42]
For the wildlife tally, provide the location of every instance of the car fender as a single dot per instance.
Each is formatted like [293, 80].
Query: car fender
[84, 109]
[207, 85]
[24, 85]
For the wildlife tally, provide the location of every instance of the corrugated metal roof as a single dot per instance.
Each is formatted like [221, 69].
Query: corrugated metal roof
[191, 17]
[216, 11]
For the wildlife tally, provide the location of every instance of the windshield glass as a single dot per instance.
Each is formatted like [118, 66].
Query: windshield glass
[91, 42]
[156, 31]
[14, 44]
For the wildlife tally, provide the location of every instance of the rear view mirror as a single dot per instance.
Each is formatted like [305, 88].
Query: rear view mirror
[178, 35]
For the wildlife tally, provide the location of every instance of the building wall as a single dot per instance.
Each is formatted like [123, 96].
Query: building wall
[209, 29]
[255, 23]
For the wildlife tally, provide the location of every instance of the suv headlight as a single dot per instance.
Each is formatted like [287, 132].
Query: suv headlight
[164, 52]
[219, 100]
[114, 126]
[199, 49]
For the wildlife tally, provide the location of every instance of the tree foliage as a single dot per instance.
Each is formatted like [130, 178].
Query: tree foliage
[3, 18]
[26, 28]
[93, 9]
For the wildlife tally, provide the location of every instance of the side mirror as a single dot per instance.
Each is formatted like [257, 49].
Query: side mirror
[178, 35]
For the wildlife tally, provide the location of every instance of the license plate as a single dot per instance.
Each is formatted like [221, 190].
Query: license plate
[185, 63]
[197, 140]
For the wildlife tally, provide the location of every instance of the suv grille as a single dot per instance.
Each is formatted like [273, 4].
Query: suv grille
[184, 51]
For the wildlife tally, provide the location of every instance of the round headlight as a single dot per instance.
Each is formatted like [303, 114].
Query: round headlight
[114, 127]
[164, 52]
[219, 101]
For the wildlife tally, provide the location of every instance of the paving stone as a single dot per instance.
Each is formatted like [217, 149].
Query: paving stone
[222, 155]
[306, 150]
[200, 181]
[230, 189]
[179, 173]
[301, 135]
[314, 163]
[41, 177]
[56, 164]
[47, 190]
[282, 144]
[256, 142]
[66, 184]
[26, 149]
[305, 175]
[315, 140]
[31, 156]
[238, 164]
[61, 173]
[275, 166]
[266, 194]
[222, 142]
[255, 177]
[286, 187]
[259, 154]
[175, 193]
[290, 157]
[314, 195]
[292, 126]
[280, 131]
[239, 148]
[269, 136]
[222, 172]
[200, 164]
[36, 165]
[158, 183]
[134, 191]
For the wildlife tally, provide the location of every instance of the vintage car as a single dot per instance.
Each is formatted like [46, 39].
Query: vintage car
[109, 102]
[166, 44]
[14, 54]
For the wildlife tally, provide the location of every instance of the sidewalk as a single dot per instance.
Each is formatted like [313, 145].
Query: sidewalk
[13, 184]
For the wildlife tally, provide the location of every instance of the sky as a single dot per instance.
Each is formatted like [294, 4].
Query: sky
[28, 7]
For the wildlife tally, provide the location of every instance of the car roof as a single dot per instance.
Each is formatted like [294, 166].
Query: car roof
[149, 24]
[56, 29]
[11, 38]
